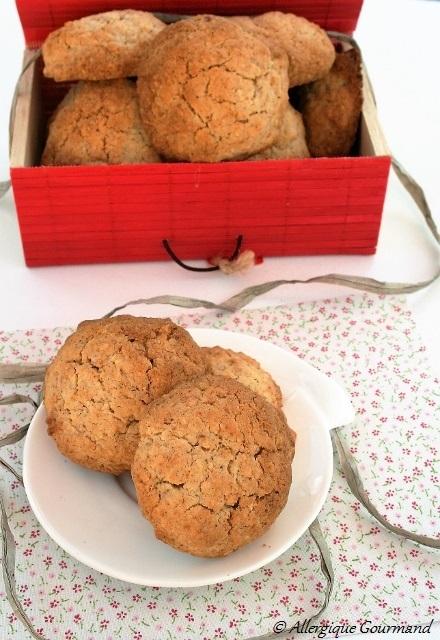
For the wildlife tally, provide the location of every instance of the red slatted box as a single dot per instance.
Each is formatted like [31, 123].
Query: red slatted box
[72, 215]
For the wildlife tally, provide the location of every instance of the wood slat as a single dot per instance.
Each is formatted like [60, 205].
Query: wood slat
[40, 17]
[69, 215]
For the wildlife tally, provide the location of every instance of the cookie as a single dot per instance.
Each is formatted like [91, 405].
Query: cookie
[248, 24]
[242, 21]
[291, 142]
[309, 49]
[213, 468]
[331, 107]
[100, 47]
[240, 367]
[210, 91]
[98, 123]
[102, 380]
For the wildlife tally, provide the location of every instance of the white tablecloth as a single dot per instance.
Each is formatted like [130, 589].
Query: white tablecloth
[399, 39]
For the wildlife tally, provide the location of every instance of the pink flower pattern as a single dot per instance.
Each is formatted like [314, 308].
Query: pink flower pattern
[370, 345]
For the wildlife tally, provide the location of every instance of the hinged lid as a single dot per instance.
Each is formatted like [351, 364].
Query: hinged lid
[40, 17]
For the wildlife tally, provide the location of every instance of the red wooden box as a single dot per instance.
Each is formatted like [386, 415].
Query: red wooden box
[123, 213]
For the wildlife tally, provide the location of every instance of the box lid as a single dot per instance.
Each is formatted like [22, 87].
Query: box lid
[40, 17]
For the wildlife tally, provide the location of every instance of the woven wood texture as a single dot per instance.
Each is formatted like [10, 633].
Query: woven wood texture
[71, 215]
[40, 17]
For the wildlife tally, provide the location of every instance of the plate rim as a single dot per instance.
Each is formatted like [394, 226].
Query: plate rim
[189, 583]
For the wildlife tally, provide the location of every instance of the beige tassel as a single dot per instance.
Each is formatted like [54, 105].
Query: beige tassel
[242, 263]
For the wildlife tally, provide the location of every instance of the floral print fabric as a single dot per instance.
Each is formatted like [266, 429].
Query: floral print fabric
[370, 346]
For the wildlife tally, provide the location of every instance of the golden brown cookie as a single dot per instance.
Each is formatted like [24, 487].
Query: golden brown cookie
[248, 24]
[242, 21]
[98, 123]
[102, 380]
[291, 142]
[210, 91]
[240, 367]
[213, 468]
[331, 107]
[100, 47]
[309, 49]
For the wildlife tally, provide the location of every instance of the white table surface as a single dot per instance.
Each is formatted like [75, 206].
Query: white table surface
[401, 47]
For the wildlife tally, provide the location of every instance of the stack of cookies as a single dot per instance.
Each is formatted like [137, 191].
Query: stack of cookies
[208, 89]
[201, 430]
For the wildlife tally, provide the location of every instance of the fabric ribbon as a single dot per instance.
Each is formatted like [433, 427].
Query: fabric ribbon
[8, 542]
[349, 469]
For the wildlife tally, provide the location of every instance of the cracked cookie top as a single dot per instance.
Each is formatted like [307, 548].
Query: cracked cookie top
[213, 466]
[244, 369]
[103, 379]
[211, 91]
[98, 123]
[291, 142]
[99, 47]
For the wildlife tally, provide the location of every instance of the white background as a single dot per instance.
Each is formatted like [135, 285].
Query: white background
[400, 40]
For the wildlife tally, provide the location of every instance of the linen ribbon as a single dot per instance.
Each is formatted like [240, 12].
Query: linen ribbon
[8, 542]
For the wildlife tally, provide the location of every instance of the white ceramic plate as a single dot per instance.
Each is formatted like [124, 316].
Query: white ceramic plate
[95, 517]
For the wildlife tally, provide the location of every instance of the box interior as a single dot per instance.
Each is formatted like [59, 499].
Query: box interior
[38, 97]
